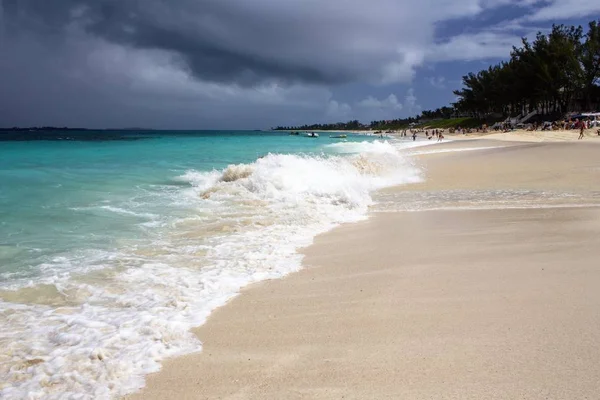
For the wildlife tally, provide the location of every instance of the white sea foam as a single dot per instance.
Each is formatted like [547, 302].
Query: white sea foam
[117, 210]
[245, 224]
[379, 146]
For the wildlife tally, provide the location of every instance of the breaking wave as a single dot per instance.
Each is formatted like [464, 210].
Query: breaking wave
[103, 329]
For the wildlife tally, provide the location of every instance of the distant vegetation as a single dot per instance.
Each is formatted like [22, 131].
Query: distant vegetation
[557, 73]
[64, 128]
[42, 128]
[433, 120]
[440, 116]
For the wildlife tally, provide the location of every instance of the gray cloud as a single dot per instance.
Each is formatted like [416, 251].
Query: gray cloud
[132, 62]
[249, 42]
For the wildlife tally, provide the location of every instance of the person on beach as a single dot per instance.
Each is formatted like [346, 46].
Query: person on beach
[440, 137]
[414, 136]
[581, 129]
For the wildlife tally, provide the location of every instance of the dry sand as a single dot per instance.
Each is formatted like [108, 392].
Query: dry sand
[521, 135]
[470, 304]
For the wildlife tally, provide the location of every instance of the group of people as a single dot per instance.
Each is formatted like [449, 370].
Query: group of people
[582, 125]
[464, 131]
[439, 133]
[566, 124]
[578, 124]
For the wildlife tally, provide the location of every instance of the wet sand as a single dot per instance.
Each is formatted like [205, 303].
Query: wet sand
[445, 304]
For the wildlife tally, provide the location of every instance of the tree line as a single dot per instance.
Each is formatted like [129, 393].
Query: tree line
[380, 125]
[556, 73]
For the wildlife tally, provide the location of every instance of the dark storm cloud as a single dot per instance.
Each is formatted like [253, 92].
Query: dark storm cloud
[184, 62]
[247, 42]
[218, 40]
[106, 62]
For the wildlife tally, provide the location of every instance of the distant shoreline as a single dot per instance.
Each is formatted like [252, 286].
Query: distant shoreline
[54, 128]
[360, 132]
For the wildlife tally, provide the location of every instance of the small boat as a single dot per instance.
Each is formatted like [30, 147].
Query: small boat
[338, 137]
[294, 133]
[312, 134]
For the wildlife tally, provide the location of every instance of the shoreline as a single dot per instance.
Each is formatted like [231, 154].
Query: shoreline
[516, 135]
[222, 363]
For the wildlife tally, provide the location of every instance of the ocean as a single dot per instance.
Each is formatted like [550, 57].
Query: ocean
[114, 244]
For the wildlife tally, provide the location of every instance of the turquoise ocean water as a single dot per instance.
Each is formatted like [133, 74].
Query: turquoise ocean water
[114, 244]
[57, 194]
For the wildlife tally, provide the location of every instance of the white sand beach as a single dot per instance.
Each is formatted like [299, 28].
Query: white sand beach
[521, 135]
[491, 293]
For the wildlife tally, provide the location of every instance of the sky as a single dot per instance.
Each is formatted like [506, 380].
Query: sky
[251, 64]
